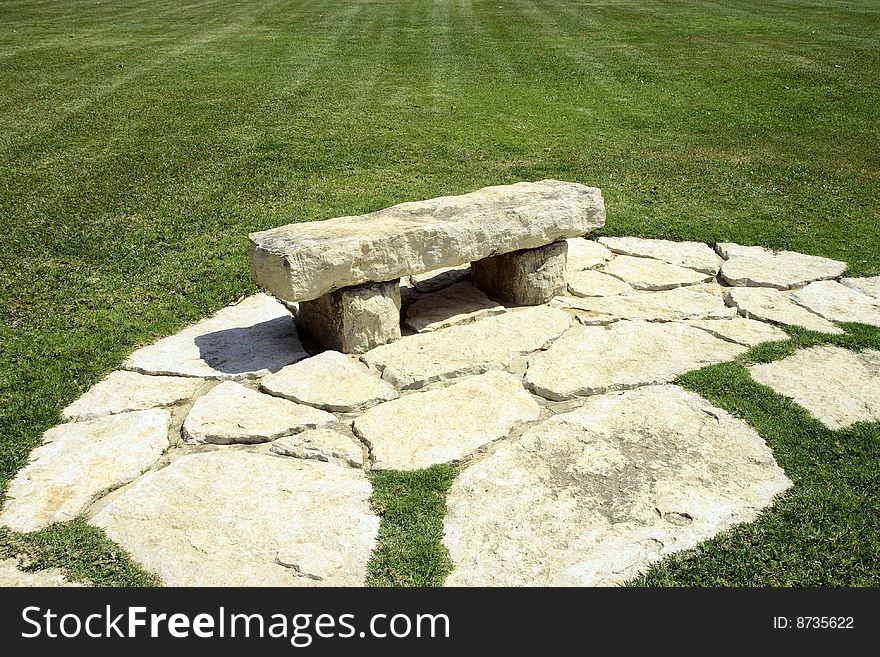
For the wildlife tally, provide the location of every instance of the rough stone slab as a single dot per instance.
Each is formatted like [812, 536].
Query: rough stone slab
[702, 301]
[650, 274]
[123, 391]
[10, 575]
[321, 445]
[80, 461]
[249, 339]
[586, 254]
[776, 306]
[234, 518]
[231, 413]
[589, 360]
[445, 425]
[331, 381]
[869, 285]
[529, 277]
[593, 497]
[437, 279]
[459, 304]
[754, 266]
[838, 303]
[489, 344]
[747, 332]
[354, 319]
[592, 283]
[303, 261]
[692, 255]
[837, 386]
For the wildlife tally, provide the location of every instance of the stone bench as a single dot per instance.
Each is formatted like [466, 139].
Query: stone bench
[345, 272]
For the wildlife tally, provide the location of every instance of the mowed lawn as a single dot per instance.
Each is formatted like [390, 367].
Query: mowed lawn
[141, 140]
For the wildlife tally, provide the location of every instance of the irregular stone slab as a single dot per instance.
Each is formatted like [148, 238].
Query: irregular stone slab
[591, 283]
[234, 518]
[250, 339]
[747, 332]
[838, 303]
[303, 261]
[437, 279]
[354, 319]
[702, 301]
[837, 386]
[754, 266]
[593, 497]
[445, 425]
[776, 306]
[321, 445]
[231, 413]
[586, 254]
[10, 575]
[330, 380]
[869, 286]
[692, 255]
[650, 274]
[530, 277]
[123, 391]
[489, 344]
[80, 461]
[458, 304]
[588, 360]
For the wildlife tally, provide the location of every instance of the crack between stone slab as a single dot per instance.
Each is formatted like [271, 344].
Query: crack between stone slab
[295, 568]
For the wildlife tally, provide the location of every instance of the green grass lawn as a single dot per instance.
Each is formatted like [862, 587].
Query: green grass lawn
[141, 140]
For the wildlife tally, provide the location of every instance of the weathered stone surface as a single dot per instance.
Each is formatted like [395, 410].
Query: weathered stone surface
[489, 344]
[252, 338]
[754, 266]
[78, 462]
[837, 386]
[586, 254]
[593, 497]
[838, 303]
[321, 445]
[445, 425]
[650, 274]
[747, 332]
[330, 380]
[124, 391]
[10, 575]
[437, 279]
[231, 413]
[354, 319]
[589, 360]
[776, 306]
[530, 277]
[233, 518]
[303, 261]
[693, 255]
[869, 285]
[458, 304]
[702, 301]
[592, 283]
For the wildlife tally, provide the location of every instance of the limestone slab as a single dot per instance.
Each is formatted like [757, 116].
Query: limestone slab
[754, 266]
[586, 254]
[589, 360]
[321, 445]
[445, 425]
[868, 285]
[692, 255]
[10, 575]
[592, 283]
[488, 344]
[123, 391]
[231, 413]
[303, 261]
[249, 339]
[437, 279]
[772, 305]
[747, 332]
[529, 277]
[837, 386]
[458, 304]
[234, 518]
[595, 496]
[650, 274]
[80, 461]
[331, 381]
[838, 303]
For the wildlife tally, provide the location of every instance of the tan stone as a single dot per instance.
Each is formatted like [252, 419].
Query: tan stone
[592, 283]
[585, 254]
[437, 279]
[751, 266]
[869, 286]
[693, 255]
[838, 303]
[747, 332]
[528, 277]
[772, 305]
[321, 445]
[10, 575]
[650, 274]
[458, 304]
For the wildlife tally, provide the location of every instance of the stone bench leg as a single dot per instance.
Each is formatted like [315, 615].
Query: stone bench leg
[354, 319]
[529, 277]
